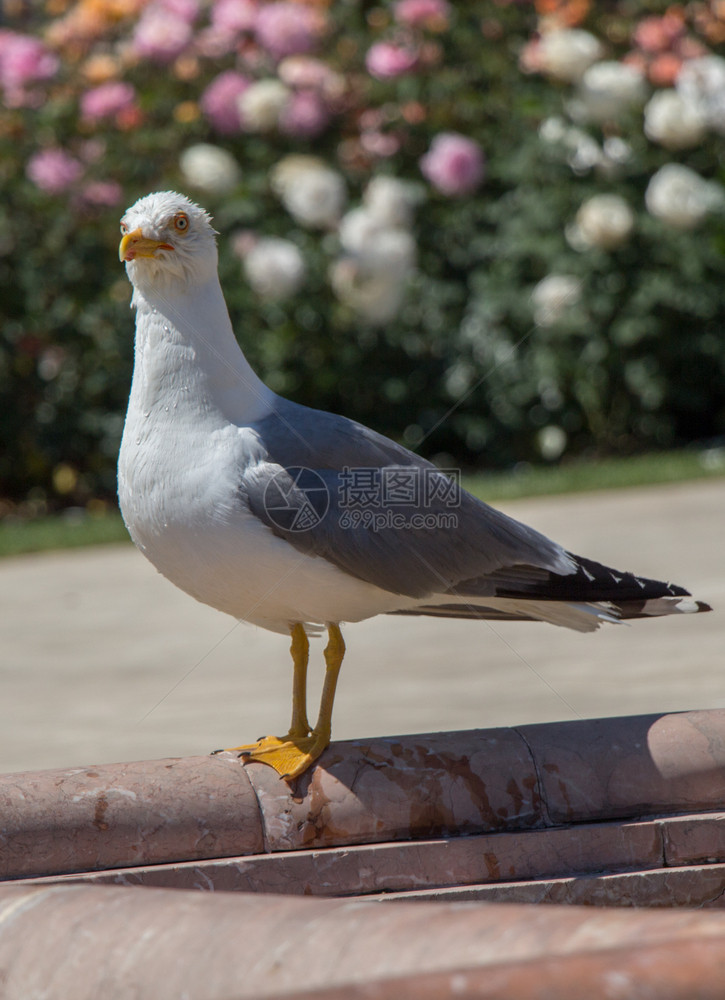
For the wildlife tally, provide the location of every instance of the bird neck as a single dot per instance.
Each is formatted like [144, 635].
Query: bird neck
[185, 344]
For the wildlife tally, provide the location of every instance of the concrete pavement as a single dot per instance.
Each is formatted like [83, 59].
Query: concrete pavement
[103, 660]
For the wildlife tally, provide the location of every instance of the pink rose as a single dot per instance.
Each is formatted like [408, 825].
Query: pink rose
[161, 35]
[385, 60]
[454, 164]
[285, 29]
[104, 194]
[53, 170]
[655, 34]
[185, 10]
[304, 116]
[107, 100]
[234, 15]
[23, 60]
[220, 101]
[431, 14]
[308, 73]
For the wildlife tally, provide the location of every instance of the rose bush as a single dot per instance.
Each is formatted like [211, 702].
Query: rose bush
[492, 230]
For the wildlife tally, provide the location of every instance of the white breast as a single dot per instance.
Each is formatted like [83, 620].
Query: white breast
[180, 467]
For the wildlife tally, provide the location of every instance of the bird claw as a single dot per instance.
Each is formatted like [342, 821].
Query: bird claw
[289, 755]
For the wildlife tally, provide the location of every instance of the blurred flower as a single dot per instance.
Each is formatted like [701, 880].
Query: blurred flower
[107, 100]
[385, 60]
[313, 193]
[430, 14]
[375, 143]
[566, 54]
[101, 67]
[581, 150]
[357, 230]
[209, 168]
[234, 16]
[682, 198]
[616, 153]
[185, 10]
[304, 116]
[604, 221]
[53, 170]
[552, 441]
[161, 34]
[261, 104]
[23, 60]
[664, 69]
[656, 34]
[701, 84]
[50, 362]
[610, 88]
[390, 201]
[380, 251]
[672, 121]
[186, 112]
[373, 280]
[274, 268]
[553, 297]
[286, 28]
[308, 73]
[220, 101]
[103, 194]
[93, 150]
[454, 164]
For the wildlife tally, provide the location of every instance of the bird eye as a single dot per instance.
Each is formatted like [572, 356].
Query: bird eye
[124, 228]
[181, 222]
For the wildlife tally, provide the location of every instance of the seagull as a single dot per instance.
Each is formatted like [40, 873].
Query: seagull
[299, 520]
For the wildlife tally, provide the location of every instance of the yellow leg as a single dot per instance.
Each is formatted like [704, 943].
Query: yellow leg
[334, 654]
[292, 754]
[300, 650]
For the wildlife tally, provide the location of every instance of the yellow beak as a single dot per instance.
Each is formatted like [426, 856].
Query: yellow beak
[135, 244]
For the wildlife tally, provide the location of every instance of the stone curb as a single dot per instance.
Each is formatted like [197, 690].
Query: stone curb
[381, 791]
[164, 944]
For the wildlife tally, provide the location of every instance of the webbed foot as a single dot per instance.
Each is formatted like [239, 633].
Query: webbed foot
[289, 755]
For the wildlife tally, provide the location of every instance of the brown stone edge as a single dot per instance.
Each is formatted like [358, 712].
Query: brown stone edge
[681, 970]
[671, 861]
[62, 941]
[526, 790]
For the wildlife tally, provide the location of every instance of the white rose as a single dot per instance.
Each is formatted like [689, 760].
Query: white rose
[609, 88]
[357, 230]
[261, 104]
[672, 121]
[680, 197]
[376, 298]
[286, 171]
[210, 168]
[605, 221]
[701, 83]
[373, 280]
[274, 268]
[553, 297]
[582, 151]
[313, 193]
[552, 441]
[390, 201]
[567, 53]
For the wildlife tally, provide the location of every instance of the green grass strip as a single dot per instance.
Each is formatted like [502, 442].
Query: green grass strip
[76, 528]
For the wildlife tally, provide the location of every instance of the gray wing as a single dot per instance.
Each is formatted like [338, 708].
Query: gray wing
[335, 489]
[295, 435]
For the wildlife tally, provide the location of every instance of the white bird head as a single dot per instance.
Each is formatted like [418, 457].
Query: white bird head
[167, 240]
